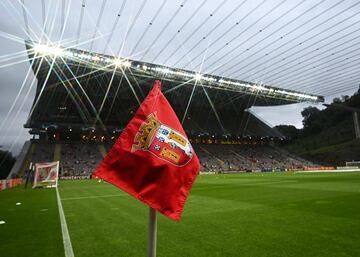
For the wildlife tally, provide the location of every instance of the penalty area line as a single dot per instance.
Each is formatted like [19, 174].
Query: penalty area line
[64, 229]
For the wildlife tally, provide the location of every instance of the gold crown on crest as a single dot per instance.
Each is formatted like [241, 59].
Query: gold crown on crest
[145, 133]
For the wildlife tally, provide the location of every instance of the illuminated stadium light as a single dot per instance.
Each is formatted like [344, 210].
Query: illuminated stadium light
[48, 50]
[127, 63]
[144, 69]
[96, 58]
[259, 88]
[209, 79]
[85, 56]
[117, 62]
[120, 62]
[162, 70]
[300, 95]
[198, 76]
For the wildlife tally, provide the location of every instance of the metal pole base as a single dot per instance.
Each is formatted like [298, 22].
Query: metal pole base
[152, 233]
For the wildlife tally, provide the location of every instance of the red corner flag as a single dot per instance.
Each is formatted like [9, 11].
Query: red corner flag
[152, 159]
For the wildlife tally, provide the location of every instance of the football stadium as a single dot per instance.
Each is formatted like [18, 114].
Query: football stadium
[165, 128]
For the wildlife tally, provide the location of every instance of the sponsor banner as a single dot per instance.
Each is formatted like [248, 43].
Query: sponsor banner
[208, 173]
[266, 170]
[15, 182]
[74, 177]
[318, 168]
[46, 174]
[347, 168]
[10, 183]
[2, 184]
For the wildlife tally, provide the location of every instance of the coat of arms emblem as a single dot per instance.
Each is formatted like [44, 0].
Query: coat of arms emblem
[162, 141]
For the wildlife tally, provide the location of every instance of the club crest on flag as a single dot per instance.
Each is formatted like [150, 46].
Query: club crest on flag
[162, 141]
[153, 159]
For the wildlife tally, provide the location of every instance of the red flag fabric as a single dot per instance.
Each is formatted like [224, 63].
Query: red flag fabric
[153, 159]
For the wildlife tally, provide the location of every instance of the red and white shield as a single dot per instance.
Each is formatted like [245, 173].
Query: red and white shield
[163, 141]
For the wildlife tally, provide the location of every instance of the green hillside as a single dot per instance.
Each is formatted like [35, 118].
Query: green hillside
[328, 136]
[336, 154]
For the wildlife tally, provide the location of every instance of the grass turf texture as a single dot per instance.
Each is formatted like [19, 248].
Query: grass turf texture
[262, 214]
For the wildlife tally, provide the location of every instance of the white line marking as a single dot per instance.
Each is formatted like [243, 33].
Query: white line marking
[91, 197]
[326, 171]
[64, 229]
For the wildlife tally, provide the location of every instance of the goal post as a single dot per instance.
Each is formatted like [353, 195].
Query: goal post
[46, 174]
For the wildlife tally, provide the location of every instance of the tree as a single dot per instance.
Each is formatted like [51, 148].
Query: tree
[313, 122]
[289, 131]
[345, 98]
[337, 100]
[6, 163]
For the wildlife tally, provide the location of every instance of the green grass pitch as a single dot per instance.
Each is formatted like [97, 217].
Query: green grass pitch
[262, 214]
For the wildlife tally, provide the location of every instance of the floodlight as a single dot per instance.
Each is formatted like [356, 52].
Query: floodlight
[96, 58]
[198, 76]
[47, 50]
[177, 74]
[119, 62]
[127, 64]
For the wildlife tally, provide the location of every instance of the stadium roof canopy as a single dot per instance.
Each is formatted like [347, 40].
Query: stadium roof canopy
[87, 90]
[307, 46]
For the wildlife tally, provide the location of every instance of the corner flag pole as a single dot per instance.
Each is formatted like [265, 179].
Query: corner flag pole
[152, 233]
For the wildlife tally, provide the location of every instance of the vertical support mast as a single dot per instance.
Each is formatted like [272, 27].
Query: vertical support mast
[356, 125]
[152, 233]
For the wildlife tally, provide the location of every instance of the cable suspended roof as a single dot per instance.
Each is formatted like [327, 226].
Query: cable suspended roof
[86, 91]
[180, 76]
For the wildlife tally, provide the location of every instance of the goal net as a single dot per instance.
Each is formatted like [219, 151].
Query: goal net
[46, 174]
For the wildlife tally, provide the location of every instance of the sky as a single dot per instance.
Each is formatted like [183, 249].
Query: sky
[303, 45]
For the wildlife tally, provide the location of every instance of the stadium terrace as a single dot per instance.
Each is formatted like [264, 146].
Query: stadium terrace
[84, 100]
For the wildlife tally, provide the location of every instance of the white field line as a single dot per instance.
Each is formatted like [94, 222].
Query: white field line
[327, 171]
[92, 197]
[64, 229]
